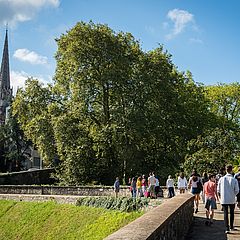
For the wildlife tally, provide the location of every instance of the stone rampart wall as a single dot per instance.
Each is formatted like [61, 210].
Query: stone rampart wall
[170, 221]
[40, 198]
[62, 190]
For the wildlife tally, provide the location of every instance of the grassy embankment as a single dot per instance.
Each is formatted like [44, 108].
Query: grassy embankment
[40, 221]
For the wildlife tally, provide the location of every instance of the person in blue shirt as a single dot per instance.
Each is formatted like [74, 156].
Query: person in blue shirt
[116, 187]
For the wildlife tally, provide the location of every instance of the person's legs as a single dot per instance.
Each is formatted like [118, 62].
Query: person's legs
[196, 202]
[225, 210]
[203, 197]
[134, 193]
[238, 200]
[182, 190]
[211, 215]
[207, 206]
[169, 192]
[232, 206]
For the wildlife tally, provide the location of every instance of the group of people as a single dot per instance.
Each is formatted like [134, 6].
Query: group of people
[141, 186]
[214, 187]
[144, 186]
[222, 188]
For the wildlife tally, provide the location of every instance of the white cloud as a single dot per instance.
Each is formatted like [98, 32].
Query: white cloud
[18, 79]
[196, 40]
[181, 19]
[32, 57]
[14, 11]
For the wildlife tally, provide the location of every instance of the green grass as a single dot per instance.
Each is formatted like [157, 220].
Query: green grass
[42, 221]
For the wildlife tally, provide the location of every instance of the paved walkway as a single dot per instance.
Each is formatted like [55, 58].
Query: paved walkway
[217, 230]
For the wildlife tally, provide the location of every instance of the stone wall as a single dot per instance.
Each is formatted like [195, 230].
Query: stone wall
[40, 198]
[62, 190]
[39, 176]
[170, 221]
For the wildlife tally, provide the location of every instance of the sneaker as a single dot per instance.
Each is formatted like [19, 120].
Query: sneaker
[227, 231]
[232, 229]
[196, 211]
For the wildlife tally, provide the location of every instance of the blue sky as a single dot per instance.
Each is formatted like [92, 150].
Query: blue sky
[202, 36]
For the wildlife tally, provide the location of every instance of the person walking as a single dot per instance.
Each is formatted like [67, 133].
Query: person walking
[116, 187]
[204, 180]
[227, 190]
[157, 187]
[237, 176]
[134, 187]
[182, 183]
[144, 185]
[151, 184]
[170, 186]
[139, 186]
[194, 183]
[210, 196]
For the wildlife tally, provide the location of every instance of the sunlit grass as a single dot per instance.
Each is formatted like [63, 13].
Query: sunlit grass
[38, 221]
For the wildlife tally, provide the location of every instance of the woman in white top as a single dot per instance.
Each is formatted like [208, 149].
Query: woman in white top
[194, 182]
[170, 186]
[182, 183]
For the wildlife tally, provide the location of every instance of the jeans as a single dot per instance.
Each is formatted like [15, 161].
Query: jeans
[171, 192]
[225, 209]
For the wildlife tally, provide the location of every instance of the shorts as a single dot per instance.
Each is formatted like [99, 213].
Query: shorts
[195, 190]
[151, 188]
[210, 204]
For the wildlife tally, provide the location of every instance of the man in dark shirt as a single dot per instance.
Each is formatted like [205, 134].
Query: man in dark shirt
[237, 176]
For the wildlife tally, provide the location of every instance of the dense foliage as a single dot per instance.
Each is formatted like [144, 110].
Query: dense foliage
[115, 110]
[14, 147]
[220, 145]
[59, 221]
[125, 204]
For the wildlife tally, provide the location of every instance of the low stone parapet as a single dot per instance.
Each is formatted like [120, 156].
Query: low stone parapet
[170, 221]
[65, 190]
[40, 198]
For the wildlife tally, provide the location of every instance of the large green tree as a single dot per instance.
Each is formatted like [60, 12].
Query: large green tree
[113, 110]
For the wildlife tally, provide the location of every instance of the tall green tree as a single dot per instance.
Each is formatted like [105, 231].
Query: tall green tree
[30, 106]
[113, 110]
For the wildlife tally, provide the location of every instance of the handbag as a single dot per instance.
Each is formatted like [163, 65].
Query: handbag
[199, 186]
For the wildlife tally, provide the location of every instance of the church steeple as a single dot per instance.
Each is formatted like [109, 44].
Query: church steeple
[5, 76]
[5, 90]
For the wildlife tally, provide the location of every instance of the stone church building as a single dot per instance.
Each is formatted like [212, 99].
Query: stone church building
[6, 95]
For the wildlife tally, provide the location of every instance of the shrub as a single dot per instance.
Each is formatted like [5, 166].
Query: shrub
[124, 204]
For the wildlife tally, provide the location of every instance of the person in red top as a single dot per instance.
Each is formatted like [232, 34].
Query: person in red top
[210, 193]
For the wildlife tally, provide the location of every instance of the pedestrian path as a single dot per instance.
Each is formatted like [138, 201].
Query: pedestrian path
[199, 231]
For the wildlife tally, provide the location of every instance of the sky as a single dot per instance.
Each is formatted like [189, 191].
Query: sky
[202, 36]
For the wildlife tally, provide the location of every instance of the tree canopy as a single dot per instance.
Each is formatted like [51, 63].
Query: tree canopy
[113, 109]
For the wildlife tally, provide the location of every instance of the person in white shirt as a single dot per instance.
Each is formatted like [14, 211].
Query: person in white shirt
[170, 186]
[151, 184]
[227, 190]
[182, 183]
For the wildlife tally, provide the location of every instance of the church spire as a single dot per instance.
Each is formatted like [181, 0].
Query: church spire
[5, 76]
[5, 90]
